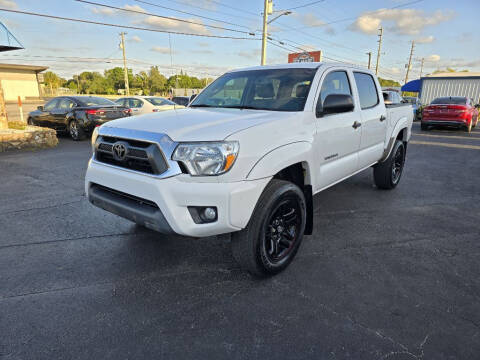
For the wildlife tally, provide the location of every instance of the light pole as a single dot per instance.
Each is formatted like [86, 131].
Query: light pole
[268, 10]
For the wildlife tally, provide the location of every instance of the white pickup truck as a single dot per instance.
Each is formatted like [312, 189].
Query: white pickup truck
[247, 156]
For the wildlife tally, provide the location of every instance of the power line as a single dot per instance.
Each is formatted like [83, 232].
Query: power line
[160, 16]
[125, 26]
[187, 13]
[305, 5]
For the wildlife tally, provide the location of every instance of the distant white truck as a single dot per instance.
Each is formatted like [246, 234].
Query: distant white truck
[247, 156]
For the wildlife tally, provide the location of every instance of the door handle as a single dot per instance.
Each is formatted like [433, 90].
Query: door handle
[356, 125]
[383, 118]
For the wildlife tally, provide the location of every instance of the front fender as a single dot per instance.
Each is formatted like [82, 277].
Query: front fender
[282, 157]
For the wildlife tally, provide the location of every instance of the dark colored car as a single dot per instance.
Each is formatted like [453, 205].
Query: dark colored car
[181, 100]
[456, 111]
[77, 115]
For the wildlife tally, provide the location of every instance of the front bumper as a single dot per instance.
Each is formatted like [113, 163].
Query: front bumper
[234, 201]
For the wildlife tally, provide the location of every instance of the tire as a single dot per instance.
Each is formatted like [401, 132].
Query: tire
[275, 231]
[424, 127]
[75, 131]
[387, 174]
[30, 122]
[469, 126]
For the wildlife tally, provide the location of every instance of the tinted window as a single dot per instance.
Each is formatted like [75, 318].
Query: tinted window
[135, 103]
[450, 100]
[50, 105]
[271, 89]
[367, 90]
[120, 102]
[94, 100]
[180, 101]
[157, 101]
[65, 104]
[335, 83]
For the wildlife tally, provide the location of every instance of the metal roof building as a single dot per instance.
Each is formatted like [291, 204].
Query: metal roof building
[450, 84]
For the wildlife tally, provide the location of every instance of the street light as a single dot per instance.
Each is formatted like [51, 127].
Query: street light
[268, 10]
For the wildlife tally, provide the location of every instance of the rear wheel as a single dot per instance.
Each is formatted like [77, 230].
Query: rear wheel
[469, 127]
[275, 231]
[388, 173]
[424, 126]
[76, 131]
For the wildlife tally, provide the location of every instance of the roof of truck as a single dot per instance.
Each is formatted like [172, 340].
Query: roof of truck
[301, 65]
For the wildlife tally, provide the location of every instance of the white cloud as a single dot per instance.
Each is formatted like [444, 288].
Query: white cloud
[311, 20]
[250, 54]
[135, 38]
[401, 21]
[425, 39]
[203, 44]
[161, 49]
[8, 4]
[103, 11]
[173, 25]
[433, 58]
[134, 8]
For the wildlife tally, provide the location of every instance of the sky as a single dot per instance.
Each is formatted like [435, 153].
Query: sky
[345, 30]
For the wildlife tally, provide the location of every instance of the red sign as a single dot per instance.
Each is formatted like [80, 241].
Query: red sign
[312, 56]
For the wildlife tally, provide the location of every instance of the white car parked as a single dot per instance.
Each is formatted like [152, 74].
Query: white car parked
[247, 156]
[147, 104]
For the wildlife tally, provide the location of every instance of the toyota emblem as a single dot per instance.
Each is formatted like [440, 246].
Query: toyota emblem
[119, 151]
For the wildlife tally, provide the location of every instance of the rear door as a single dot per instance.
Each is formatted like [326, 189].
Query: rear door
[64, 106]
[337, 141]
[374, 122]
[136, 105]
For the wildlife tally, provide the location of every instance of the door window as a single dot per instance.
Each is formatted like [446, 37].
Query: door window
[335, 83]
[135, 103]
[65, 104]
[120, 102]
[50, 105]
[367, 90]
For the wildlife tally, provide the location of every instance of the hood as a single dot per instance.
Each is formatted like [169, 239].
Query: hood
[192, 124]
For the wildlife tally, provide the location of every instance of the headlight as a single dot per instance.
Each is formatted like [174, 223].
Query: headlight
[209, 158]
[94, 138]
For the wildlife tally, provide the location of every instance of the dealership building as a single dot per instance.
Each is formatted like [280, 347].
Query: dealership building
[446, 84]
[21, 80]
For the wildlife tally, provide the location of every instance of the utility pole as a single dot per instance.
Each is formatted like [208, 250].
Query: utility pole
[421, 67]
[267, 9]
[369, 59]
[125, 70]
[380, 36]
[410, 61]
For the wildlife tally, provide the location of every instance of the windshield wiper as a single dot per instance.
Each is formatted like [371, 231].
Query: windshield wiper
[245, 107]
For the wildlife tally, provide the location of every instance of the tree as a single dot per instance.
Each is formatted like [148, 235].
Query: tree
[387, 82]
[156, 81]
[52, 80]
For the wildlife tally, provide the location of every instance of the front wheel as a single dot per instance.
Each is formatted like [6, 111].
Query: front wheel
[387, 174]
[30, 122]
[424, 127]
[76, 131]
[275, 231]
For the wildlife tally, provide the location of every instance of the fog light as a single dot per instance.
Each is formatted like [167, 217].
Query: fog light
[203, 214]
[209, 213]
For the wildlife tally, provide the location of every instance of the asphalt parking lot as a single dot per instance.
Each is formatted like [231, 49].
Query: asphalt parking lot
[386, 275]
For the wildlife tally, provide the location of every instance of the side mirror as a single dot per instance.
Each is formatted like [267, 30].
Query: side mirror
[40, 108]
[335, 104]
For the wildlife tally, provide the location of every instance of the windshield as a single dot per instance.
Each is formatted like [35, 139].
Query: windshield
[273, 89]
[450, 100]
[158, 101]
[94, 100]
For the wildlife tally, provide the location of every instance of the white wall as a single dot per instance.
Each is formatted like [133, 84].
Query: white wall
[16, 83]
[433, 88]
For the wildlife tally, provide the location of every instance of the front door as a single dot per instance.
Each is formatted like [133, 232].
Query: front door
[60, 112]
[338, 136]
[44, 119]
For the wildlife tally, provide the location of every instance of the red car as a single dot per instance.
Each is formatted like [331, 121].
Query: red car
[450, 111]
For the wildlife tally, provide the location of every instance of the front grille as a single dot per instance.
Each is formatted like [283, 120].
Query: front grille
[139, 156]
